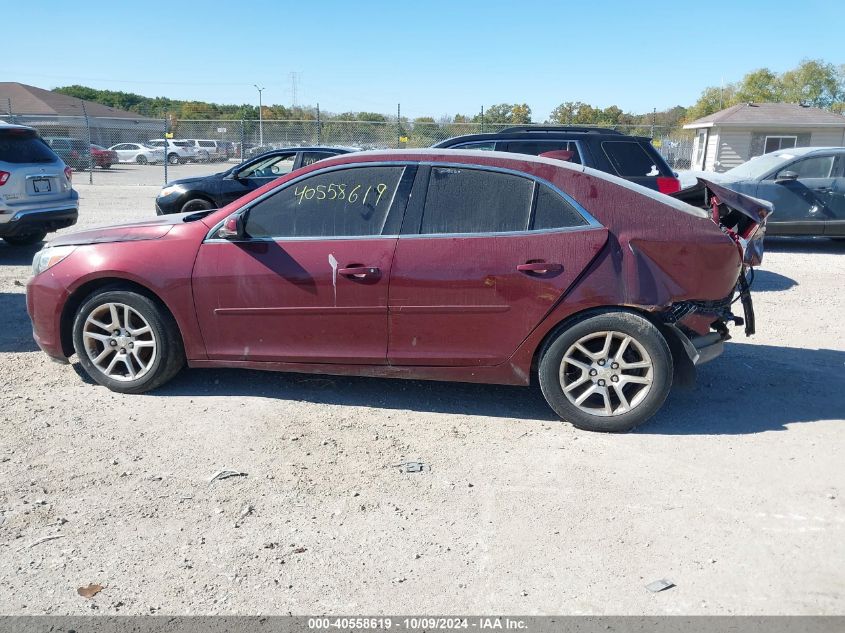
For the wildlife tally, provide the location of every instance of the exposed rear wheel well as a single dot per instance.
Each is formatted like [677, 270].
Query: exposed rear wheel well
[684, 374]
[86, 290]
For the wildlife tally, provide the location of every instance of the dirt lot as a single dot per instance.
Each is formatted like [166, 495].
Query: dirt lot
[735, 491]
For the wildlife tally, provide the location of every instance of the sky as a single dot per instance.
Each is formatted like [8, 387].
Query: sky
[435, 58]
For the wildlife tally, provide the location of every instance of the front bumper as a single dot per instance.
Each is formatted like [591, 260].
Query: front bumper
[46, 296]
[36, 220]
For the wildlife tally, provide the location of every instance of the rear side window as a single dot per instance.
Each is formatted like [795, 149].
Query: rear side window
[23, 146]
[486, 146]
[344, 202]
[564, 150]
[309, 158]
[554, 212]
[475, 201]
[630, 159]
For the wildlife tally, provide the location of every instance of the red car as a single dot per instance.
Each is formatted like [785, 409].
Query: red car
[103, 157]
[430, 264]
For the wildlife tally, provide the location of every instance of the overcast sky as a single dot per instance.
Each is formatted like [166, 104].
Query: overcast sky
[433, 57]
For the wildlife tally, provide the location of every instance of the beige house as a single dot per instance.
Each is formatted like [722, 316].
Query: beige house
[731, 136]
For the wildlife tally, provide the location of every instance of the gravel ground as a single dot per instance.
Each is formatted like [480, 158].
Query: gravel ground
[734, 492]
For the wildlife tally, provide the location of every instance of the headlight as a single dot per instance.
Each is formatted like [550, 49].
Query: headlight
[166, 191]
[49, 257]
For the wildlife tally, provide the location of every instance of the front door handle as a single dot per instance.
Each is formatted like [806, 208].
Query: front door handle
[540, 268]
[359, 272]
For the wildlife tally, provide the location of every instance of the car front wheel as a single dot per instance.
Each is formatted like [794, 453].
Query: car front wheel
[126, 341]
[610, 371]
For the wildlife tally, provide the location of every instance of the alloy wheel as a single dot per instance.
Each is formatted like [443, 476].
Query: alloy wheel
[119, 341]
[606, 373]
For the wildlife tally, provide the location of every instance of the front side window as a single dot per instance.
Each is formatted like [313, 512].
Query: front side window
[813, 167]
[270, 167]
[340, 203]
[630, 159]
[476, 201]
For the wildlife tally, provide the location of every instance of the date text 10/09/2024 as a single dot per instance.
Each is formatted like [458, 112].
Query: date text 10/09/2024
[424, 623]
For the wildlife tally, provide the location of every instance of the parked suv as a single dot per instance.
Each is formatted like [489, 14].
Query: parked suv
[177, 151]
[631, 157]
[73, 151]
[36, 196]
[208, 150]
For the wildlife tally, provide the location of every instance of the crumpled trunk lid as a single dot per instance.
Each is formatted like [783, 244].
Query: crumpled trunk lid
[742, 217]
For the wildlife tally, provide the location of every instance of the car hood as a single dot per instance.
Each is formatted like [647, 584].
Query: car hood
[188, 181]
[151, 229]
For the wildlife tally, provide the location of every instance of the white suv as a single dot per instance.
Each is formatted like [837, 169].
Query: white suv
[209, 149]
[177, 151]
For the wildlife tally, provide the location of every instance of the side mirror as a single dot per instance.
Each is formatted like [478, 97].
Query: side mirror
[232, 229]
[786, 176]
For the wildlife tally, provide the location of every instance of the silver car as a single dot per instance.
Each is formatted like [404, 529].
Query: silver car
[36, 196]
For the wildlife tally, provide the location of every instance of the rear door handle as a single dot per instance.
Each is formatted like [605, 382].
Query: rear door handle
[359, 272]
[541, 268]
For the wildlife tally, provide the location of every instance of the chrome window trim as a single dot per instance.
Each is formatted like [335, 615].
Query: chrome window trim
[591, 224]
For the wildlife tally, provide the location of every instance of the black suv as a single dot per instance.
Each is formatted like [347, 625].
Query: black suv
[631, 157]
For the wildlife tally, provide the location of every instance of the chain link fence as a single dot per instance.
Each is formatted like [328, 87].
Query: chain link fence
[109, 149]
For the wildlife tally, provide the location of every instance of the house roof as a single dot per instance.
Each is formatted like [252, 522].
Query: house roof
[31, 100]
[769, 115]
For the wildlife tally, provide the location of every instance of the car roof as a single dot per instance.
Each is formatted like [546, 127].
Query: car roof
[539, 132]
[803, 151]
[507, 160]
[15, 126]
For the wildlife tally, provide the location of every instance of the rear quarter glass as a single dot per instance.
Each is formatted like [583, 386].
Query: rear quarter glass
[630, 159]
[21, 148]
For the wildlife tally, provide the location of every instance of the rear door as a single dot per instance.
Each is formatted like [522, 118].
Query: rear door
[483, 256]
[309, 282]
[836, 222]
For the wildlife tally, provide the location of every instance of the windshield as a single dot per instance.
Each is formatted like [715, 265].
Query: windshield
[758, 166]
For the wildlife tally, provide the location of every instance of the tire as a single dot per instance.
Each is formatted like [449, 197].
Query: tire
[196, 204]
[173, 159]
[107, 166]
[26, 239]
[644, 388]
[141, 159]
[153, 364]
[205, 158]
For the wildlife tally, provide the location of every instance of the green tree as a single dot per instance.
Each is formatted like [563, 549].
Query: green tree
[814, 83]
[759, 86]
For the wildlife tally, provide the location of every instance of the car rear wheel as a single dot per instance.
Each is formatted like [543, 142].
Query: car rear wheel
[126, 341]
[26, 239]
[141, 160]
[609, 371]
[197, 204]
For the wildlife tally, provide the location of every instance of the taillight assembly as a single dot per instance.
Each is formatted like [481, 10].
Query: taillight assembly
[4, 177]
[68, 173]
[668, 185]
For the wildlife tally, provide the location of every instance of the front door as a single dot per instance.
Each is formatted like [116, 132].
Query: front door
[803, 206]
[480, 264]
[255, 175]
[308, 283]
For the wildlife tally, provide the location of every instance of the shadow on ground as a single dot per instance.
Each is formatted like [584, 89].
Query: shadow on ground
[768, 281]
[16, 331]
[18, 255]
[751, 389]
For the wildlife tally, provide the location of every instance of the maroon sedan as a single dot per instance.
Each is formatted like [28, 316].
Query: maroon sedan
[432, 264]
[103, 157]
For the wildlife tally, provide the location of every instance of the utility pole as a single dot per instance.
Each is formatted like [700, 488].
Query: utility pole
[653, 115]
[260, 117]
[294, 82]
[482, 119]
[398, 125]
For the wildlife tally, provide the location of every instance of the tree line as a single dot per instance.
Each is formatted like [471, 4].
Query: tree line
[812, 82]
